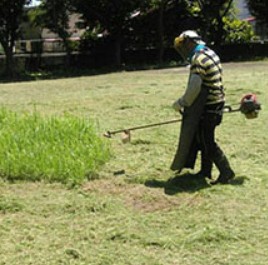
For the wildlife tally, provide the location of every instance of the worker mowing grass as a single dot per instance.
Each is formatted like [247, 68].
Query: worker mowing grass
[202, 104]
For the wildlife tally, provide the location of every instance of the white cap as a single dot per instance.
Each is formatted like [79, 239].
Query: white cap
[191, 34]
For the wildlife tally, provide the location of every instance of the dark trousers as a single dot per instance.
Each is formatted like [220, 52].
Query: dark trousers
[210, 150]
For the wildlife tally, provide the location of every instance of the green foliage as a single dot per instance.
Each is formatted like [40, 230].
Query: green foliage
[64, 149]
[210, 14]
[54, 15]
[238, 31]
[111, 16]
[11, 16]
[194, 9]
[92, 39]
[164, 20]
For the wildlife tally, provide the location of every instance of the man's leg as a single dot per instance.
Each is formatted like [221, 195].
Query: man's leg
[206, 166]
[211, 151]
[223, 165]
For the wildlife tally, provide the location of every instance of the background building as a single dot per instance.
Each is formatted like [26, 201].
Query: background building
[243, 13]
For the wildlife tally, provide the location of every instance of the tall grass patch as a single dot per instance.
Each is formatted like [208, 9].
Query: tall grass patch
[57, 148]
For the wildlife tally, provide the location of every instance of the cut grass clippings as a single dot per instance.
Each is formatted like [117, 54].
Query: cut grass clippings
[144, 214]
[65, 149]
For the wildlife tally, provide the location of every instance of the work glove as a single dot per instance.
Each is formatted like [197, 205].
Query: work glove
[177, 106]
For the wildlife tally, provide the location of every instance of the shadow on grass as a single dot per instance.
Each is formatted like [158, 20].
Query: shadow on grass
[180, 183]
[55, 73]
[58, 72]
[187, 183]
[239, 180]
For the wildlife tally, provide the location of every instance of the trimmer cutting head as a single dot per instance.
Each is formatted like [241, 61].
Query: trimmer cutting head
[107, 134]
[125, 136]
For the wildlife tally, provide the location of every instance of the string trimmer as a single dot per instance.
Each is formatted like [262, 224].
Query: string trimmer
[248, 106]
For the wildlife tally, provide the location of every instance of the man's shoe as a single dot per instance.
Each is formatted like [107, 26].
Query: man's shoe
[224, 178]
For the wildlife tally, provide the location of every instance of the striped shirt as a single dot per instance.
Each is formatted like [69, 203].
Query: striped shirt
[206, 63]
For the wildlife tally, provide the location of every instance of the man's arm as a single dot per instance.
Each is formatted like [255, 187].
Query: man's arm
[191, 92]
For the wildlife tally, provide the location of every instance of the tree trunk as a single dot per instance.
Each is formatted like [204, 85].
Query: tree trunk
[68, 51]
[220, 31]
[160, 31]
[118, 52]
[9, 61]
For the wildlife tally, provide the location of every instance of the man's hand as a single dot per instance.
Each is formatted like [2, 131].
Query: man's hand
[177, 106]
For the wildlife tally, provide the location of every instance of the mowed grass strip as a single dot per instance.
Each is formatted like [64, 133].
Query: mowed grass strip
[65, 149]
[145, 216]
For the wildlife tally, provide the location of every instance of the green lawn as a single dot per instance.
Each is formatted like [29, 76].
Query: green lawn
[141, 217]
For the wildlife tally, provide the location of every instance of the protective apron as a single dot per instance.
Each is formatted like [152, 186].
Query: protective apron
[187, 147]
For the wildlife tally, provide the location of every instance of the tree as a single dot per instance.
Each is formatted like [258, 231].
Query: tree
[111, 17]
[55, 15]
[259, 8]
[161, 5]
[210, 15]
[168, 13]
[11, 16]
[158, 23]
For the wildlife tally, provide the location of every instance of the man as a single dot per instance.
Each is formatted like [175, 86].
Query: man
[202, 106]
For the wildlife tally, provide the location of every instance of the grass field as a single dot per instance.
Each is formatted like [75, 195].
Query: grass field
[141, 217]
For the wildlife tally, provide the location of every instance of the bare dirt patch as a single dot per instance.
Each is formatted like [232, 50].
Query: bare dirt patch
[140, 197]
